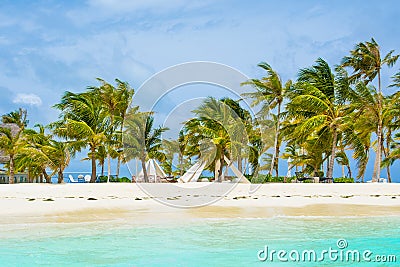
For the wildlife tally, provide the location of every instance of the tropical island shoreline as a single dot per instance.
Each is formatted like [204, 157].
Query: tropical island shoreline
[69, 203]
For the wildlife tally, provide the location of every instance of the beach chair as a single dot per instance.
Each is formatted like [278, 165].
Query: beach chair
[325, 180]
[169, 179]
[301, 178]
[87, 178]
[71, 179]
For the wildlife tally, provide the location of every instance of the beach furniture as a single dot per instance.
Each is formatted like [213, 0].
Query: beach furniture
[154, 172]
[301, 178]
[81, 178]
[322, 179]
[87, 178]
[72, 179]
[325, 180]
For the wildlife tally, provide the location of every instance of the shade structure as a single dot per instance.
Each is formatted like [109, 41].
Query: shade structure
[193, 174]
[154, 172]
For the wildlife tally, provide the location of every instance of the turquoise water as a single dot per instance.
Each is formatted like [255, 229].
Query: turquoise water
[203, 242]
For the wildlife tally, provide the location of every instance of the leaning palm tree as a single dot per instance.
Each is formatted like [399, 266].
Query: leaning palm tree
[12, 137]
[366, 62]
[270, 93]
[141, 139]
[11, 144]
[83, 123]
[317, 108]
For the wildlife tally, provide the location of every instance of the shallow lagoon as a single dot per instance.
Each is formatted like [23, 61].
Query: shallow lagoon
[200, 242]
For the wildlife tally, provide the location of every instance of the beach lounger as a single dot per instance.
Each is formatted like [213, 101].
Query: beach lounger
[325, 180]
[71, 179]
[301, 178]
[87, 178]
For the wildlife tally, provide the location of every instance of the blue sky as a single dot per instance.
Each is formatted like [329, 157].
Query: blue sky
[48, 47]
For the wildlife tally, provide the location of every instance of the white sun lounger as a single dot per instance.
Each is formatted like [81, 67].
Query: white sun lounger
[71, 179]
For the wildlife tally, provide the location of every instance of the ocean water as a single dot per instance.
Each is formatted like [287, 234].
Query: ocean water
[202, 242]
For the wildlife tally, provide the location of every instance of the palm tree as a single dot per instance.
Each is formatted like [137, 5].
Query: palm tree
[31, 157]
[11, 137]
[317, 108]
[396, 80]
[116, 101]
[100, 155]
[18, 117]
[216, 131]
[170, 148]
[366, 62]
[141, 139]
[11, 144]
[83, 123]
[247, 121]
[270, 93]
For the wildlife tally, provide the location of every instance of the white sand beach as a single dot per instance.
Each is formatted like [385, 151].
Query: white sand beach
[30, 203]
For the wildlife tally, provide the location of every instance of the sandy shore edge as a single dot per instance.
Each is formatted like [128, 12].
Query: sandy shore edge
[38, 203]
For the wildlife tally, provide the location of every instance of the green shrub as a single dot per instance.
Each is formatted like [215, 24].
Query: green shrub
[343, 180]
[266, 178]
[103, 179]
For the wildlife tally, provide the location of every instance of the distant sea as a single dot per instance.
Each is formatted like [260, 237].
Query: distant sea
[203, 242]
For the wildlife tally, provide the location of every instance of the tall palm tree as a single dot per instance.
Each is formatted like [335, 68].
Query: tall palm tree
[247, 121]
[270, 93]
[83, 123]
[317, 107]
[125, 95]
[141, 139]
[366, 62]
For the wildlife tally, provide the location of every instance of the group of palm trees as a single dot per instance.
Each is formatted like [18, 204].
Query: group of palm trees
[330, 112]
[323, 117]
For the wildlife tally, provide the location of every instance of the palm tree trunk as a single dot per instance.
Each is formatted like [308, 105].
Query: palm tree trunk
[93, 178]
[120, 156]
[12, 174]
[180, 164]
[343, 174]
[332, 156]
[146, 179]
[108, 167]
[387, 153]
[275, 155]
[221, 166]
[240, 160]
[349, 170]
[102, 169]
[118, 164]
[377, 164]
[46, 176]
[60, 177]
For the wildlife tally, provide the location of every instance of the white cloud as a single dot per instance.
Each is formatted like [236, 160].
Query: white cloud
[30, 99]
